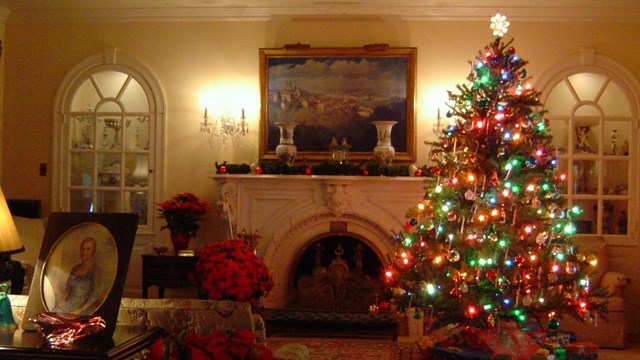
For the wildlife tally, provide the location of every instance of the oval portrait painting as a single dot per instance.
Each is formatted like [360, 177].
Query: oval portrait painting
[80, 270]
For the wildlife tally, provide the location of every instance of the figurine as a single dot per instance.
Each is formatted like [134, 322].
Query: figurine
[614, 142]
[6, 314]
[340, 151]
[582, 143]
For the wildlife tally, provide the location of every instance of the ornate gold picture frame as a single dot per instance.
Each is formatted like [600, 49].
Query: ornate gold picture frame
[335, 93]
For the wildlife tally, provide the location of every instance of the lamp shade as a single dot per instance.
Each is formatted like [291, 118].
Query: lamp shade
[9, 239]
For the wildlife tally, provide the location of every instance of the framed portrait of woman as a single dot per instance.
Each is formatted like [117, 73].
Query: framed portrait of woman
[82, 266]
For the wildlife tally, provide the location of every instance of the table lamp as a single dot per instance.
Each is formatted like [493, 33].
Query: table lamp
[9, 244]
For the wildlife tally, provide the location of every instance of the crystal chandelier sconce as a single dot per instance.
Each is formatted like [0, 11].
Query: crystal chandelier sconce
[437, 126]
[224, 125]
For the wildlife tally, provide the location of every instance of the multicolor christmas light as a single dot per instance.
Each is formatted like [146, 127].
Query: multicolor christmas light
[491, 238]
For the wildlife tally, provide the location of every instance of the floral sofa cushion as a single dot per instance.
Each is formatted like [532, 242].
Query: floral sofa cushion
[181, 317]
[178, 317]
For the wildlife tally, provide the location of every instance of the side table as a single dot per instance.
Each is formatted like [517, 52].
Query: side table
[127, 341]
[165, 271]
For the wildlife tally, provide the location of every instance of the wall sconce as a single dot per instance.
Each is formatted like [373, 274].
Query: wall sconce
[224, 125]
[437, 127]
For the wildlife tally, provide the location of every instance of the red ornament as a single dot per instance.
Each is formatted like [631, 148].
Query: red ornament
[435, 171]
[384, 306]
[418, 173]
[455, 293]
[452, 216]
[258, 170]
[307, 171]
[519, 259]
[492, 275]
[222, 169]
[365, 172]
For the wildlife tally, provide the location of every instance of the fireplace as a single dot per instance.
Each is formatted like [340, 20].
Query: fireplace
[293, 212]
[336, 272]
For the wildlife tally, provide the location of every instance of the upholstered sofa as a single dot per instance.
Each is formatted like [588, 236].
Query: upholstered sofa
[178, 317]
[608, 331]
[182, 317]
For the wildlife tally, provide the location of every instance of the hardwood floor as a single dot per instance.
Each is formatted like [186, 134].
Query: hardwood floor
[631, 353]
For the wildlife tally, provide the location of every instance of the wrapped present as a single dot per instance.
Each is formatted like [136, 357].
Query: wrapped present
[444, 336]
[581, 350]
[562, 338]
[512, 341]
[542, 354]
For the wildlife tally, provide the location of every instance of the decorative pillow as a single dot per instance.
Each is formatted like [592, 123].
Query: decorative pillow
[615, 283]
[598, 247]
[31, 232]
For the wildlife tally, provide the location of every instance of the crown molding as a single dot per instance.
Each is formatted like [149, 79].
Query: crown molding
[329, 10]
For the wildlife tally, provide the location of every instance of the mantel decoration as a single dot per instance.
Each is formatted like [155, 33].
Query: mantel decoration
[326, 168]
[182, 213]
[229, 270]
[384, 151]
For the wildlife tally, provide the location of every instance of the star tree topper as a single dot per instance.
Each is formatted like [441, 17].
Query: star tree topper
[499, 25]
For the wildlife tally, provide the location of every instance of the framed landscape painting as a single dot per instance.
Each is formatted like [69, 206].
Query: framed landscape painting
[336, 93]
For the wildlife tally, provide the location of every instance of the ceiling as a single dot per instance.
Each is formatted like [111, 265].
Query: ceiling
[570, 10]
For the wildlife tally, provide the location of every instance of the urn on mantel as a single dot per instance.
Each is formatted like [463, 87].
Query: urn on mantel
[384, 151]
[286, 149]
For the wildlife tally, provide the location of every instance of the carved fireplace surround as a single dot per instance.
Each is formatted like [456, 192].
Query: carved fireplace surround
[291, 211]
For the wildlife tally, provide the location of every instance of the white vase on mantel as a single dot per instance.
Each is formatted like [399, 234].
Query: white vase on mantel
[384, 151]
[286, 149]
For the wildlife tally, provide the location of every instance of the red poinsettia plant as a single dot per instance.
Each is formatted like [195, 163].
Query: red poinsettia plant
[182, 213]
[230, 270]
[223, 345]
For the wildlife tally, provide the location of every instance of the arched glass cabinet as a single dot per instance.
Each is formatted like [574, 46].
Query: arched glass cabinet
[108, 139]
[593, 112]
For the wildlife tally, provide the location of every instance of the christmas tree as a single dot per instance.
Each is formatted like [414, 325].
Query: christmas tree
[491, 238]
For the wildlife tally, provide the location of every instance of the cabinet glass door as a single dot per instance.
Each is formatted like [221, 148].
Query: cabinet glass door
[591, 121]
[109, 152]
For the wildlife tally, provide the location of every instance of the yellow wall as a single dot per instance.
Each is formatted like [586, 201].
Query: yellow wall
[189, 57]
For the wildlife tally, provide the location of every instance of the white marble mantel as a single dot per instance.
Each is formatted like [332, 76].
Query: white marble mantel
[291, 211]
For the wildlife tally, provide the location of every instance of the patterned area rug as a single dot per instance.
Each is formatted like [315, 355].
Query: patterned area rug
[348, 348]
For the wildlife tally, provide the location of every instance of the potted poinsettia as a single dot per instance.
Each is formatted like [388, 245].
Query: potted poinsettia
[222, 345]
[230, 270]
[182, 213]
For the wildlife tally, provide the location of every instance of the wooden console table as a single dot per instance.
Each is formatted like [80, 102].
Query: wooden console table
[127, 341]
[166, 271]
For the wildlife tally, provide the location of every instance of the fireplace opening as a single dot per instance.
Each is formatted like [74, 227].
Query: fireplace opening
[337, 272]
